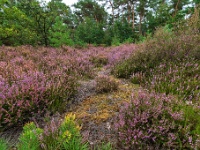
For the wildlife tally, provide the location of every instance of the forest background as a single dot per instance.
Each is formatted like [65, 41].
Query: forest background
[100, 22]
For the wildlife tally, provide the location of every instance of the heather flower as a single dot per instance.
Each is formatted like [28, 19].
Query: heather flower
[153, 120]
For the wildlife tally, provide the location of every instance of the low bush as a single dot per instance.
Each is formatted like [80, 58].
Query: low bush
[157, 121]
[104, 146]
[105, 84]
[3, 145]
[59, 92]
[180, 79]
[29, 138]
[56, 135]
[31, 96]
[21, 100]
[99, 61]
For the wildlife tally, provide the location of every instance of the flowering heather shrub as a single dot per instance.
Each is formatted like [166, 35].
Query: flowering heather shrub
[182, 79]
[29, 83]
[59, 90]
[119, 53]
[50, 136]
[110, 55]
[105, 84]
[156, 121]
[33, 80]
[22, 99]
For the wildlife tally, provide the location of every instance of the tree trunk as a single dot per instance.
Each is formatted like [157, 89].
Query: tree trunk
[133, 17]
[140, 24]
[113, 15]
[176, 8]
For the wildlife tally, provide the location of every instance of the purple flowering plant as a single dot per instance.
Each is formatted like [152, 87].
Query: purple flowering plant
[153, 120]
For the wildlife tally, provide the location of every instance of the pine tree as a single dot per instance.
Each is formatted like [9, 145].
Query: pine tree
[59, 34]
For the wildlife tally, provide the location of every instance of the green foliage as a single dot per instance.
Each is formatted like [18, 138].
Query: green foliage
[137, 63]
[119, 32]
[56, 135]
[122, 30]
[192, 118]
[59, 34]
[90, 9]
[3, 145]
[104, 146]
[15, 25]
[129, 41]
[64, 135]
[29, 138]
[71, 130]
[115, 41]
[78, 43]
[34, 22]
[90, 32]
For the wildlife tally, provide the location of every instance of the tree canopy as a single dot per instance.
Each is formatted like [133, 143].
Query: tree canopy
[54, 23]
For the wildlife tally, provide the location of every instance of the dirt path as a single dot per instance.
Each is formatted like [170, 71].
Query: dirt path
[96, 112]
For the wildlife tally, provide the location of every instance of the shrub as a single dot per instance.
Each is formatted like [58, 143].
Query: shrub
[59, 92]
[62, 135]
[21, 100]
[29, 138]
[115, 41]
[180, 78]
[99, 61]
[156, 121]
[55, 135]
[3, 145]
[105, 84]
[137, 78]
[119, 53]
[104, 146]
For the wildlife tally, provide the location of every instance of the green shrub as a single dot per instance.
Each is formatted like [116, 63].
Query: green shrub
[129, 41]
[62, 135]
[3, 145]
[104, 146]
[192, 119]
[59, 92]
[115, 41]
[105, 84]
[55, 135]
[99, 61]
[29, 138]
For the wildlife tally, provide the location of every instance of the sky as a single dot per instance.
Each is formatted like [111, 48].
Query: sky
[70, 2]
[67, 2]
